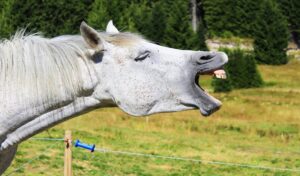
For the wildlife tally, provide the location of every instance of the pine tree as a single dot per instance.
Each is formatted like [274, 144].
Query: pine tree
[201, 33]
[52, 18]
[222, 85]
[270, 35]
[158, 23]
[165, 22]
[197, 40]
[252, 73]
[129, 15]
[99, 15]
[179, 30]
[291, 9]
[138, 18]
[230, 17]
[241, 72]
[6, 26]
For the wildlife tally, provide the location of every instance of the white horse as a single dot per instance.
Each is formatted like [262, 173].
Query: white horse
[46, 81]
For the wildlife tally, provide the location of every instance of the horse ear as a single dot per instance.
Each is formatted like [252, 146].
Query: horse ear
[91, 36]
[110, 28]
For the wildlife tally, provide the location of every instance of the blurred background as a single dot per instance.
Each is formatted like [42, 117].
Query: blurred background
[258, 123]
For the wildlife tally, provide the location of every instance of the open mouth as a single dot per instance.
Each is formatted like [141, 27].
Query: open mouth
[218, 73]
[206, 103]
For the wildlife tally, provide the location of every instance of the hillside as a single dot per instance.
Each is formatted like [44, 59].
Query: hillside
[255, 126]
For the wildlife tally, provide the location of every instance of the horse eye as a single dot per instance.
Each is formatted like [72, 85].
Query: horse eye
[142, 56]
[97, 57]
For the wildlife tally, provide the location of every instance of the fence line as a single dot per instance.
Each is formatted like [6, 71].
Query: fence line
[103, 150]
[260, 150]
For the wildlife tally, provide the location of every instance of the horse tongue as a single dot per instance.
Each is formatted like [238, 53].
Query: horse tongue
[221, 74]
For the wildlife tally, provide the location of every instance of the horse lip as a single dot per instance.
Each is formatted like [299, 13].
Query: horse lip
[210, 111]
[206, 103]
[210, 72]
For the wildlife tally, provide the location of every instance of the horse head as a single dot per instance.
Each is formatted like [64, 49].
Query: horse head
[143, 78]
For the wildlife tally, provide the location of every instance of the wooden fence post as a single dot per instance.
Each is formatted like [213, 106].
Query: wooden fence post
[68, 154]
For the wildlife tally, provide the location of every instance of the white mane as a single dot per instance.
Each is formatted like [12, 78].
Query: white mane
[33, 66]
[36, 70]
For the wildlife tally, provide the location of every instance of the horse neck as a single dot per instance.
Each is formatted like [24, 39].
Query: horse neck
[38, 75]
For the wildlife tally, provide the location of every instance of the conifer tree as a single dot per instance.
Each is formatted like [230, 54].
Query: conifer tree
[222, 85]
[230, 17]
[201, 33]
[165, 22]
[158, 23]
[291, 9]
[197, 40]
[270, 35]
[52, 18]
[99, 15]
[241, 72]
[179, 30]
[6, 26]
[137, 18]
[120, 11]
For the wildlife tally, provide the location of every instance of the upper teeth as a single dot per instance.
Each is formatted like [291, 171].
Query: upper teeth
[220, 74]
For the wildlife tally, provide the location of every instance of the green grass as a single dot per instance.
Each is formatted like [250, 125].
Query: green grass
[255, 126]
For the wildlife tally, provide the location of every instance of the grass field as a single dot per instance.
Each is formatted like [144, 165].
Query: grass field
[255, 126]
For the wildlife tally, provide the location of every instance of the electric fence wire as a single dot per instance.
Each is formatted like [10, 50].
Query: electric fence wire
[48, 139]
[260, 150]
[103, 150]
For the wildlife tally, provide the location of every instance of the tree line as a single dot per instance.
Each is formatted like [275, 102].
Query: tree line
[270, 23]
[168, 22]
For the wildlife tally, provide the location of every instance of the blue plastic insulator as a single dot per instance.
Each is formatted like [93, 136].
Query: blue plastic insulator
[85, 146]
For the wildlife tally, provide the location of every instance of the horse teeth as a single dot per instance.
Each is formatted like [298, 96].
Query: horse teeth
[221, 74]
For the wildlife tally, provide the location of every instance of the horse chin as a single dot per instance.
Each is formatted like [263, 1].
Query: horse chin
[206, 103]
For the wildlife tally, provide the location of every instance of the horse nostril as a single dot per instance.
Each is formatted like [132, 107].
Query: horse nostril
[207, 57]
